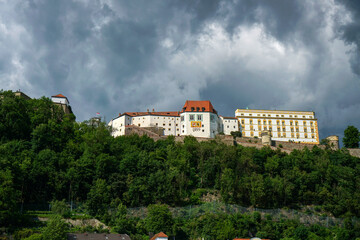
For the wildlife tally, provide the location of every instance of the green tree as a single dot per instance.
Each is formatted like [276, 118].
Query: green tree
[55, 229]
[159, 219]
[351, 137]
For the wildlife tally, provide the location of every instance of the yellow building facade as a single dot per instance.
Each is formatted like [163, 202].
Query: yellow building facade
[294, 126]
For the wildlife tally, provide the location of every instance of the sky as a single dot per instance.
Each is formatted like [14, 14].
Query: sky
[113, 56]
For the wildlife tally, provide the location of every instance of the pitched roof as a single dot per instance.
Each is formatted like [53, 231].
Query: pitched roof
[198, 106]
[136, 114]
[159, 235]
[59, 95]
[229, 117]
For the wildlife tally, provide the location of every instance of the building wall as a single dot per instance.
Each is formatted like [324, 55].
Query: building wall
[229, 125]
[284, 125]
[203, 124]
[60, 100]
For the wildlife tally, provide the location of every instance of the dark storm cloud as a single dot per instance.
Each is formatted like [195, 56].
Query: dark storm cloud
[114, 56]
[350, 31]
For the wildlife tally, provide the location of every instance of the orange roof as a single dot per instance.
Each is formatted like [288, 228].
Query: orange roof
[60, 96]
[198, 106]
[159, 235]
[136, 114]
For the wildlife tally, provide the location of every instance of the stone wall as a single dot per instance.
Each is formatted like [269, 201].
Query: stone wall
[354, 152]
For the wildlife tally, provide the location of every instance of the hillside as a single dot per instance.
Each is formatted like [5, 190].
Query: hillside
[45, 156]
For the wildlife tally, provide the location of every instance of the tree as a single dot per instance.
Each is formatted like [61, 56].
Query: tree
[55, 229]
[351, 137]
[159, 219]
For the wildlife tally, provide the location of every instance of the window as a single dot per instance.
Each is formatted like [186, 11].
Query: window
[283, 123]
[278, 134]
[259, 122]
[203, 130]
[252, 134]
[192, 117]
[278, 122]
[242, 114]
[242, 121]
[199, 117]
[169, 129]
[297, 129]
[282, 115]
[265, 128]
[264, 115]
[212, 118]
[291, 123]
[296, 116]
[292, 135]
[264, 122]
[269, 122]
[305, 135]
[139, 124]
[228, 127]
[163, 124]
[156, 124]
[203, 109]
[311, 123]
[296, 123]
[250, 114]
[290, 115]
[251, 128]
[270, 128]
[169, 124]
[277, 115]
[269, 115]
[192, 109]
[305, 130]
[251, 121]
[176, 124]
[297, 135]
[312, 136]
[283, 129]
[198, 109]
[304, 123]
[278, 129]
[303, 116]
[292, 129]
[312, 130]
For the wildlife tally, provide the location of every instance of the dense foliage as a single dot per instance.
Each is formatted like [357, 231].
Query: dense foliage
[46, 156]
[351, 137]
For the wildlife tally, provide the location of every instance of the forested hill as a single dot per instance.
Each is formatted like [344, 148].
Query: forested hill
[45, 155]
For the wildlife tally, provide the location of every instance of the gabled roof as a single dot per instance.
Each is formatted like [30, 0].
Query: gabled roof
[159, 235]
[198, 106]
[59, 95]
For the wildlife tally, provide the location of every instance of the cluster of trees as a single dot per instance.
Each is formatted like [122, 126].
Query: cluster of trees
[45, 156]
[351, 137]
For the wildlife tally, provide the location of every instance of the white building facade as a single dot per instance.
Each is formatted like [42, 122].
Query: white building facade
[197, 118]
[229, 124]
[295, 126]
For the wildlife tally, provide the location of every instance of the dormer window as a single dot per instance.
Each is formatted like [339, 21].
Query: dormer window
[184, 109]
[203, 109]
[197, 109]
[192, 109]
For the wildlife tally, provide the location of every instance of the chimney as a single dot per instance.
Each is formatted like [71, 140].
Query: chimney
[153, 110]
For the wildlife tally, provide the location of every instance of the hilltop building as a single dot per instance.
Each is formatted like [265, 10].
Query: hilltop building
[294, 126]
[197, 118]
[159, 236]
[63, 102]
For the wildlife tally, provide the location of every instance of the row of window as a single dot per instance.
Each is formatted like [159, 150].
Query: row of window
[269, 115]
[284, 135]
[283, 129]
[278, 122]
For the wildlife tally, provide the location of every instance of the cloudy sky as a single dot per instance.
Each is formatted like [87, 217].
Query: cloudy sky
[112, 56]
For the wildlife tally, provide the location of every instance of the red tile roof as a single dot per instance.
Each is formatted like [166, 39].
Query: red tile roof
[159, 235]
[198, 106]
[60, 96]
[136, 114]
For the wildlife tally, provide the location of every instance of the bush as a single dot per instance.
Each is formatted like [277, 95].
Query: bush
[60, 208]
[280, 146]
[36, 236]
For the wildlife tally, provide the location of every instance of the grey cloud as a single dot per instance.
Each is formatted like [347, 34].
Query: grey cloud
[133, 55]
